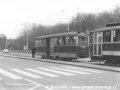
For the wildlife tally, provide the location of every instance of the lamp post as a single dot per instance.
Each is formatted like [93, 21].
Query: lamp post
[28, 28]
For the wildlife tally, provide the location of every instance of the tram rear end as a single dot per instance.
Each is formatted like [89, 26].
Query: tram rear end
[82, 48]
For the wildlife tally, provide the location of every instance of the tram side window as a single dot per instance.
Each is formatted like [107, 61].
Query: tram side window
[116, 35]
[95, 37]
[72, 41]
[40, 43]
[37, 43]
[52, 41]
[107, 36]
[63, 41]
[91, 38]
[57, 41]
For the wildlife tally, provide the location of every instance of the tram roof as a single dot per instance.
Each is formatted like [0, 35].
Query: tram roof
[105, 29]
[62, 35]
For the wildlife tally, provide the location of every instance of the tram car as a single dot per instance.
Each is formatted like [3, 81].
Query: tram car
[69, 45]
[104, 43]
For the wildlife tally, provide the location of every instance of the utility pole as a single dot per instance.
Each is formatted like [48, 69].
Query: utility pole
[6, 43]
[68, 26]
[28, 28]
[27, 40]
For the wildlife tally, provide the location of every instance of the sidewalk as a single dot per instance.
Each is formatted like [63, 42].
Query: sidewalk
[79, 64]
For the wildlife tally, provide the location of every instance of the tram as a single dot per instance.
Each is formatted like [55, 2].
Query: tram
[104, 43]
[69, 45]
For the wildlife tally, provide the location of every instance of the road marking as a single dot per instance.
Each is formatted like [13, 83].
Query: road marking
[41, 72]
[21, 84]
[73, 71]
[56, 71]
[10, 75]
[37, 85]
[26, 73]
[83, 69]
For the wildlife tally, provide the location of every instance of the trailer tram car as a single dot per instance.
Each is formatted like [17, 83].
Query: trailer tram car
[69, 45]
[105, 43]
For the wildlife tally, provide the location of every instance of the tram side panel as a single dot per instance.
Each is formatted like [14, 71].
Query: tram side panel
[82, 52]
[41, 47]
[65, 51]
[71, 52]
[41, 51]
[111, 52]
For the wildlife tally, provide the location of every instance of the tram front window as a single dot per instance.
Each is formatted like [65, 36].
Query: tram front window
[82, 41]
[72, 41]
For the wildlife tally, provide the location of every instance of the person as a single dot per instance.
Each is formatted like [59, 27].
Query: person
[33, 52]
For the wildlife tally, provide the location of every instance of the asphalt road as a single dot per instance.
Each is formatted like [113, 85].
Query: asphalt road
[21, 74]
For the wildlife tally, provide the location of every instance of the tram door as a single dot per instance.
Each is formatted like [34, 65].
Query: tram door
[97, 43]
[52, 47]
[47, 47]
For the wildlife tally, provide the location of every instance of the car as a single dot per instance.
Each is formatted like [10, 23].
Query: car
[5, 50]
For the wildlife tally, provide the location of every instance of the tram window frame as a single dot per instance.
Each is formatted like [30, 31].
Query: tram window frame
[91, 38]
[116, 35]
[107, 36]
[84, 41]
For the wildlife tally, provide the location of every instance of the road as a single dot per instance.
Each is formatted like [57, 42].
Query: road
[21, 74]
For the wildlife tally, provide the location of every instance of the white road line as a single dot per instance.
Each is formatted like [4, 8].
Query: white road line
[41, 72]
[56, 71]
[10, 75]
[26, 73]
[20, 84]
[83, 69]
[37, 85]
[73, 71]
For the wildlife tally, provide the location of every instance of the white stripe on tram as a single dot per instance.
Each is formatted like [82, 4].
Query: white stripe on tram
[41, 72]
[10, 75]
[69, 70]
[26, 73]
[83, 69]
[114, 53]
[56, 71]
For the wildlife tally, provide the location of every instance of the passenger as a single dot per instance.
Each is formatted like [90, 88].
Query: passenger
[33, 52]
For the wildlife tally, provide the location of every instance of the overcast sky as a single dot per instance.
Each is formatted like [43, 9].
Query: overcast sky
[15, 13]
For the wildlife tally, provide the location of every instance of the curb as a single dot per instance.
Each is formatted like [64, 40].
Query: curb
[81, 64]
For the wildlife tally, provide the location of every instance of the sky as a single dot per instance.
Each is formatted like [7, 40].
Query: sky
[14, 14]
